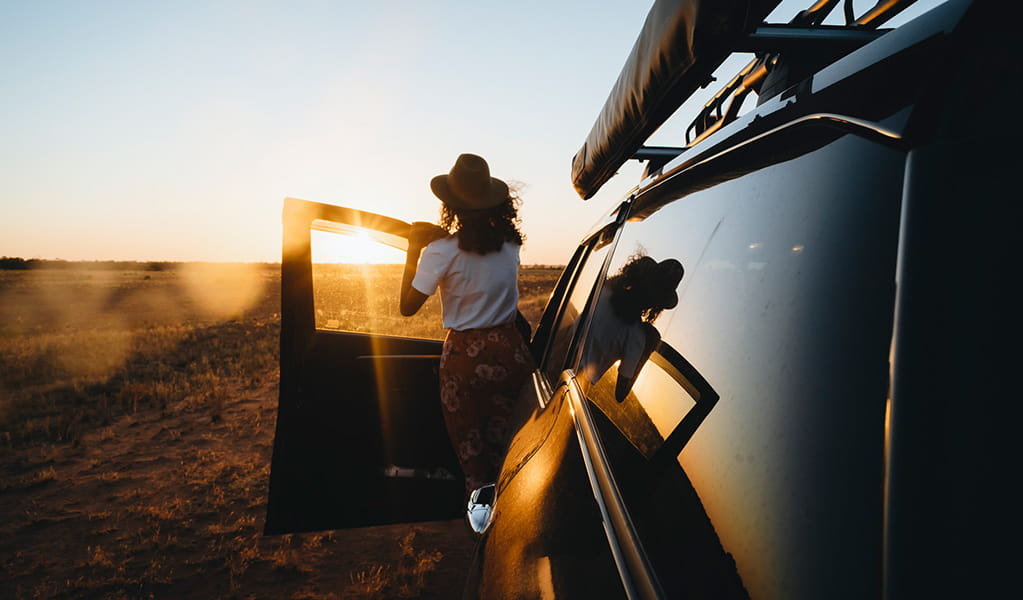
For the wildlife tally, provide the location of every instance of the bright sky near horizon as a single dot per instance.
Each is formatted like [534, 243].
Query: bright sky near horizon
[174, 130]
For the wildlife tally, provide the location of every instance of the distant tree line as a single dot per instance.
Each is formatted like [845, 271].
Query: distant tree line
[543, 266]
[11, 263]
[15, 263]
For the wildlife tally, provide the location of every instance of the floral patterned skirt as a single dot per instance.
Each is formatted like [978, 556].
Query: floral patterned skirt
[481, 374]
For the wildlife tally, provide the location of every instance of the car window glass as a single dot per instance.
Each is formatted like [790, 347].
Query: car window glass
[356, 282]
[575, 303]
[634, 377]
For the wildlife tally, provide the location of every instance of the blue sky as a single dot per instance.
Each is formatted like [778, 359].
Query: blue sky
[173, 130]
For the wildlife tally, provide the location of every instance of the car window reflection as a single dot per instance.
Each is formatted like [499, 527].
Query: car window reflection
[651, 394]
[622, 331]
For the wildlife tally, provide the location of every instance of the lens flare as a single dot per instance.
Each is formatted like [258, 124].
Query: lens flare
[222, 291]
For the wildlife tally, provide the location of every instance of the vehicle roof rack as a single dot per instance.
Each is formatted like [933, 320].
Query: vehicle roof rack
[804, 40]
[793, 38]
[655, 156]
[682, 42]
[677, 50]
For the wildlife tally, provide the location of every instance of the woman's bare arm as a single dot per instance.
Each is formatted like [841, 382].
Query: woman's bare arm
[420, 234]
[411, 298]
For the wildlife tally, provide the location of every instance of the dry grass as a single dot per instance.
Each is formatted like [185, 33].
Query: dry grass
[80, 348]
[364, 298]
[404, 578]
[136, 421]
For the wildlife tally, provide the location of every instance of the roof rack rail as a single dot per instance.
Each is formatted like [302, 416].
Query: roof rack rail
[656, 156]
[794, 38]
[803, 36]
[711, 117]
[880, 13]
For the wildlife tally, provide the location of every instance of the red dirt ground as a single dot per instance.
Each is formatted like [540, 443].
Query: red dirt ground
[169, 504]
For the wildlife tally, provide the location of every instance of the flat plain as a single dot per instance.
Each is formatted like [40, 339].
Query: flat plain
[137, 407]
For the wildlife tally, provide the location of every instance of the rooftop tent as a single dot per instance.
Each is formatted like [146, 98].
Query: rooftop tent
[680, 45]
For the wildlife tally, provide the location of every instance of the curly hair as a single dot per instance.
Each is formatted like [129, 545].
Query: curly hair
[484, 231]
[630, 299]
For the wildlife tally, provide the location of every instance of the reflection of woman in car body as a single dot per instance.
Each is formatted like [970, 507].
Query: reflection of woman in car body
[473, 258]
[622, 327]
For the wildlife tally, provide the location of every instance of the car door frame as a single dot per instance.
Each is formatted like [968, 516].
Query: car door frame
[330, 467]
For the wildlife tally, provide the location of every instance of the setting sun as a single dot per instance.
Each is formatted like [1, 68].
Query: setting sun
[354, 247]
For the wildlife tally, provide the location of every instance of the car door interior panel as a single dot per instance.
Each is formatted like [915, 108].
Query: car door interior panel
[360, 438]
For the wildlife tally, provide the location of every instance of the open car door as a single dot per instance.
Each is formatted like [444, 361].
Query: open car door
[360, 437]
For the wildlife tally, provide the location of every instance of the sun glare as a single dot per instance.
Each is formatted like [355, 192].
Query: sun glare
[355, 248]
[222, 290]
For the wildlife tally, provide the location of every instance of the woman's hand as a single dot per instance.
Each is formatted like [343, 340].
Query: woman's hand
[421, 233]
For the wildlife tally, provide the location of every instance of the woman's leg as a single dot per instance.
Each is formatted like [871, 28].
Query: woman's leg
[459, 406]
[482, 372]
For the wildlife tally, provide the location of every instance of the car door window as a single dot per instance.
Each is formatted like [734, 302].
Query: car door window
[360, 439]
[639, 381]
[587, 271]
[356, 283]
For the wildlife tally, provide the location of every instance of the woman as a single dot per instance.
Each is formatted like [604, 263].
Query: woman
[622, 328]
[473, 259]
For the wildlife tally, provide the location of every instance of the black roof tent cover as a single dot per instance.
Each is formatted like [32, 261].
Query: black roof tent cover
[680, 45]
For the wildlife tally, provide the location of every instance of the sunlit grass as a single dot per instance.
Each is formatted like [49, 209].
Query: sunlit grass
[78, 348]
[135, 440]
[364, 299]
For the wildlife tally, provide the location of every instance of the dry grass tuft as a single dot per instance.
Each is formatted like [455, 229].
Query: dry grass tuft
[97, 558]
[40, 477]
[404, 579]
[369, 582]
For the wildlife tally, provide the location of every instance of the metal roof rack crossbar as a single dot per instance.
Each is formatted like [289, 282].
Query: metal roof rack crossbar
[803, 36]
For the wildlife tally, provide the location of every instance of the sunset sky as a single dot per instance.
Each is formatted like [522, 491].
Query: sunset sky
[174, 130]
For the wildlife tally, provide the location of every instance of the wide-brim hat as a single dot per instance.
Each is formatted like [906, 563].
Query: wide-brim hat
[469, 185]
[659, 280]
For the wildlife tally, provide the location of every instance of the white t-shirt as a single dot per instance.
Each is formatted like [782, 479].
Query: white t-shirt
[476, 290]
[608, 339]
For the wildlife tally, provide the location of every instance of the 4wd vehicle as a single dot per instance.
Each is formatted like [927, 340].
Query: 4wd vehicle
[824, 410]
